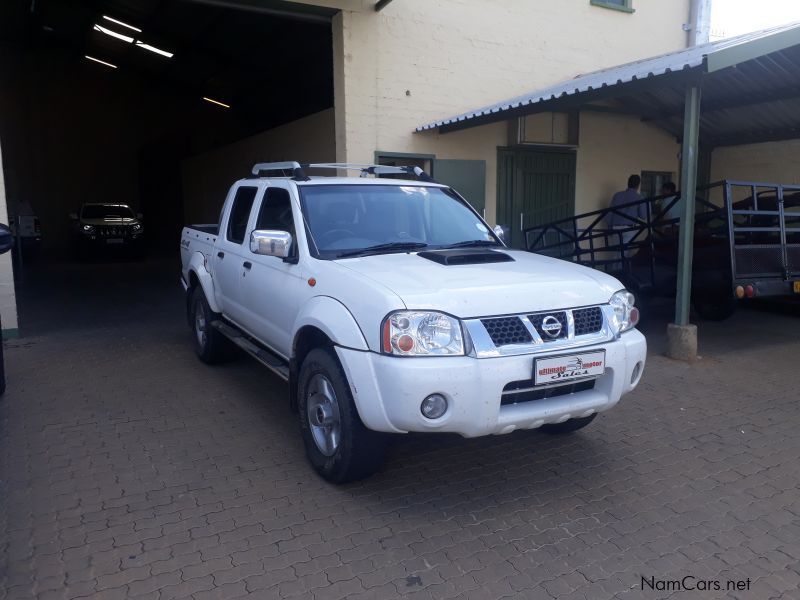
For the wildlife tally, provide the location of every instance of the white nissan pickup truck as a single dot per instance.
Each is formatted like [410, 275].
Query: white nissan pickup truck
[390, 306]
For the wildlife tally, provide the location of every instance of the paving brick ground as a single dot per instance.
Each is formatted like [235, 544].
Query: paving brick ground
[131, 470]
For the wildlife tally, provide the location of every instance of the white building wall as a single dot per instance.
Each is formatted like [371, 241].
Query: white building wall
[419, 60]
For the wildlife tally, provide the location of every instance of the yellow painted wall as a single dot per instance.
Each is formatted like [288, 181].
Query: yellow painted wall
[419, 60]
[8, 300]
[207, 177]
[612, 147]
[771, 162]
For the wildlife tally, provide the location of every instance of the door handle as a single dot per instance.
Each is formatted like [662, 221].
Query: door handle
[521, 221]
[247, 265]
[220, 254]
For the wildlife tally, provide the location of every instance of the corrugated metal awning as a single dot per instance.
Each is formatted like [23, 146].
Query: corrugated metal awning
[751, 87]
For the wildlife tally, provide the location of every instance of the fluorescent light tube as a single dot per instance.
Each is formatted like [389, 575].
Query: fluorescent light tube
[216, 102]
[121, 23]
[102, 62]
[141, 44]
[119, 36]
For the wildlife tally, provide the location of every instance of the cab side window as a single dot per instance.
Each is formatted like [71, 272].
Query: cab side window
[276, 211]
[240, 214]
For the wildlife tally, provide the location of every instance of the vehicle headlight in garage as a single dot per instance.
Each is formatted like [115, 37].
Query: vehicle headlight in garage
[422, 333]
[88, 229]
[626, 315]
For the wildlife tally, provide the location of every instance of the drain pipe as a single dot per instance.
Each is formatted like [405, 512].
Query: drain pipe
[699, 26]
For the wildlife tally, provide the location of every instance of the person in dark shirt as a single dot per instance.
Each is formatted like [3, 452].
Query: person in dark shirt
[624, 218]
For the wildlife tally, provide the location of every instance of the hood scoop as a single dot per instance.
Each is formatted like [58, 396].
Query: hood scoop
[465, 256]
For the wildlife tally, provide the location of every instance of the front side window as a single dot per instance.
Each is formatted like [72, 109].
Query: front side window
[240, 214]
[276, 211]
[346, 220]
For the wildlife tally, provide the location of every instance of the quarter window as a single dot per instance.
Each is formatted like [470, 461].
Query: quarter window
[240, 214]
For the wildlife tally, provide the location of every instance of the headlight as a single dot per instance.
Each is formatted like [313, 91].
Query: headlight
[88, 229]
[415, 333]
[626, 315]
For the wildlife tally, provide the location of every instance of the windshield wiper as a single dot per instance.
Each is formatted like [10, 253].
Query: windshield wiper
[471, 244]
[392, 246]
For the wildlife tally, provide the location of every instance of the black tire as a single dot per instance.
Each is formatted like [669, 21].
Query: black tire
[714, 306]
[213, 347]
[568, 426]
[359, 452]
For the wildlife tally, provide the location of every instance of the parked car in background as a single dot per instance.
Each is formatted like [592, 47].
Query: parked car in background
[100, 227]
[390, 306]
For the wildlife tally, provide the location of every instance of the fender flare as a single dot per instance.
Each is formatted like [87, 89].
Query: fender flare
[197, 265]
[332, 318]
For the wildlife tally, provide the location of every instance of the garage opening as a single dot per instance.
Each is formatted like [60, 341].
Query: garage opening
[154, 104]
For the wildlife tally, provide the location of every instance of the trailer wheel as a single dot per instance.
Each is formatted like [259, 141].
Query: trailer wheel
[338, 445]
[714, 306]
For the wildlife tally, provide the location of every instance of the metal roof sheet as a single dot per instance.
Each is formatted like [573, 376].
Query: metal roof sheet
[707, 58]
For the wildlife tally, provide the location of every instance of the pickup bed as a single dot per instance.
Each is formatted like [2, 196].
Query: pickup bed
[390, 306]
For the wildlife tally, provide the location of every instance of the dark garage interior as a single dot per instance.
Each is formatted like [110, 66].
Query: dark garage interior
[103, 100]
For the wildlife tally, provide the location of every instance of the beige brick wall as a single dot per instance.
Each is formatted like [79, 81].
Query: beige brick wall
[420, 60]
[771, 162]
[8, 300]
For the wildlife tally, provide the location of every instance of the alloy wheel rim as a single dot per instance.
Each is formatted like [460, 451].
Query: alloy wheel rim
[324, 417]
[200, 326]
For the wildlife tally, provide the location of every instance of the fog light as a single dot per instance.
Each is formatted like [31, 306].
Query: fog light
[434, 406]
[637, 370]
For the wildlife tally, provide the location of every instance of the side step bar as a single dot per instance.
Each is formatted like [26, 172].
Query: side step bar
[270, 360]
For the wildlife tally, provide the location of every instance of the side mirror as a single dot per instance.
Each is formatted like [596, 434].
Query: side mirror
[271, 243]
[73, 216]
[500, 232]
[6, 239]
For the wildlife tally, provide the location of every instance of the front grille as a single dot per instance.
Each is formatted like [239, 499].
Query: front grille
[588, 320]
[537, 321]
[507, 330]
[513, 395]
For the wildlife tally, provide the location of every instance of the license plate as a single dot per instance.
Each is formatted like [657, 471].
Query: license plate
[559, 369]
[114, 241]
[796, 285]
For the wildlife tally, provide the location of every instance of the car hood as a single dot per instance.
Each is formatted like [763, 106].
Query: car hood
[530, 283]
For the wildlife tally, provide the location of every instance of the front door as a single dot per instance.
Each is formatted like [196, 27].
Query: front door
[271, 285]
[534, 187]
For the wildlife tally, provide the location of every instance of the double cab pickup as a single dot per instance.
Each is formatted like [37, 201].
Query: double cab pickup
[390, 306]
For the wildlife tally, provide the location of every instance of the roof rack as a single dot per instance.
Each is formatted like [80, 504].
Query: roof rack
[298, 174]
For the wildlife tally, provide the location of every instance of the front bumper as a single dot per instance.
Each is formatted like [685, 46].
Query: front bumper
[388, 390]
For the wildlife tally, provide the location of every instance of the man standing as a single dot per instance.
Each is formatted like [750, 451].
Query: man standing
[624, 218]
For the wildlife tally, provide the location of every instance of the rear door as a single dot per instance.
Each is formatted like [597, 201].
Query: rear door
[270, 288]
[232, 250]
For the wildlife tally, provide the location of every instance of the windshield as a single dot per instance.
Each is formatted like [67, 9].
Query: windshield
[347, 219]
[106, 211]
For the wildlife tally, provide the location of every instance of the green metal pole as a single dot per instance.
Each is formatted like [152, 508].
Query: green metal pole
[689, 156]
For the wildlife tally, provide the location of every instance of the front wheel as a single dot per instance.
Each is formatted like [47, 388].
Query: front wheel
[337, 443]
[714, 306]
[568, 426]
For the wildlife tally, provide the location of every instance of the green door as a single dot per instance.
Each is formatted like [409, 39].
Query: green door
[534, 187]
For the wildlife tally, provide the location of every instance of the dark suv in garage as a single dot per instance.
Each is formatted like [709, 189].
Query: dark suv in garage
[100, 227]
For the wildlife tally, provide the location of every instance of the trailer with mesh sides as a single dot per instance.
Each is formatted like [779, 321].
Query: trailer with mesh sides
[746, 244]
